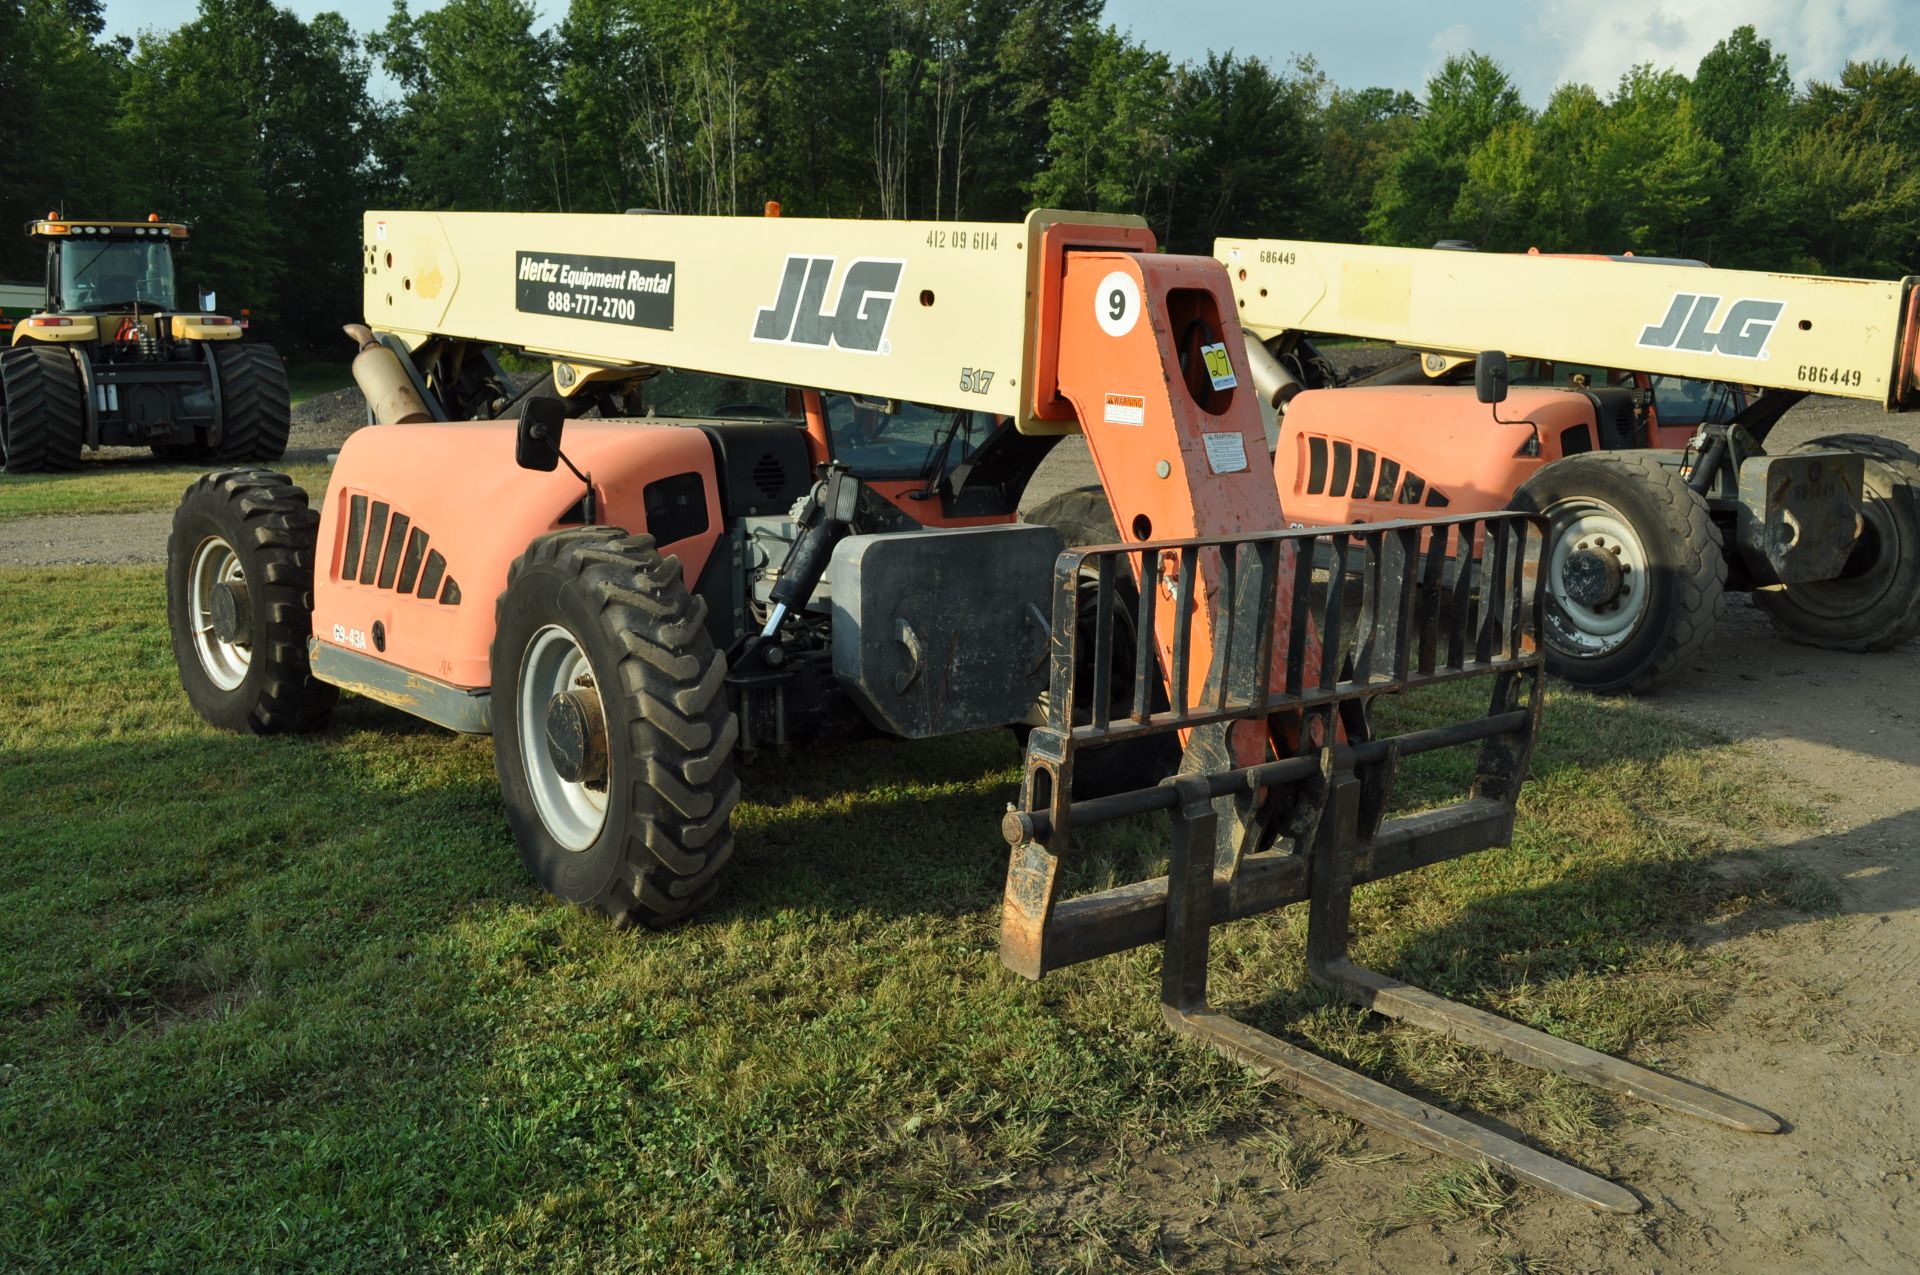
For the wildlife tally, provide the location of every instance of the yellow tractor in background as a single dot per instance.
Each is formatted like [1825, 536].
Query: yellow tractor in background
[110, 360]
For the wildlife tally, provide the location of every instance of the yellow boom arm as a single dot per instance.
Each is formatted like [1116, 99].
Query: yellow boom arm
[1850, 337]
[911, 310]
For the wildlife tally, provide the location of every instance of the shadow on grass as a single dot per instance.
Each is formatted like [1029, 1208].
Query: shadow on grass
[308, 979]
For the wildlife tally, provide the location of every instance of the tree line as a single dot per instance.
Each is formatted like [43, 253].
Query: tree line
[271, 134]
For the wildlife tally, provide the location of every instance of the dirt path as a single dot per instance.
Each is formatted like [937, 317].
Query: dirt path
[72, 540]
[1826, 1030]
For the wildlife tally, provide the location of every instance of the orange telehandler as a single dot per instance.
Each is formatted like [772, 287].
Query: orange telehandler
[1643, 395]
[793, 521]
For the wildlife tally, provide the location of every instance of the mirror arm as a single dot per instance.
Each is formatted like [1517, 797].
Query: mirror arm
[587, 506]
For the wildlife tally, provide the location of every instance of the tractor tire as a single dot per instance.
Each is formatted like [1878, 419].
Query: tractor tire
[1875, 603]
[254, 404]
[1634, 570]
[599, 649]
[1083, 516]
[242, 651]
[42, 411]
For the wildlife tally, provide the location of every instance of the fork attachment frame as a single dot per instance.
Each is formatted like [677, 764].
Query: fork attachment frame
[1435, 602]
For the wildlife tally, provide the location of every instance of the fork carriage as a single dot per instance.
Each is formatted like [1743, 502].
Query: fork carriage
[1283, 793]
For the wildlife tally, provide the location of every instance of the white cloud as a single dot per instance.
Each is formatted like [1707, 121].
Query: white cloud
[1598, 40]
[1458, 38]
[1445, 43]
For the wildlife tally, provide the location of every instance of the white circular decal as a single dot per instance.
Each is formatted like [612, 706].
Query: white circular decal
[1117, 303]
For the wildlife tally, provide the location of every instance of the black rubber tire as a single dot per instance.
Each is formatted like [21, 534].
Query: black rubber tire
[267, 522]
[1876, 603]
[255, 404]
[670, 727]
[1083, 516]
[1685, 558]
[42, 410]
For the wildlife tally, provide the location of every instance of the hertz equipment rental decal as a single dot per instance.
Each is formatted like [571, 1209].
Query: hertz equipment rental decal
[604, 289]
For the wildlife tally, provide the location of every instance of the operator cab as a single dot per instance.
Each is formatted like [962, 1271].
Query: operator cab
[99, 266]
[1646, 410]
[929, 464]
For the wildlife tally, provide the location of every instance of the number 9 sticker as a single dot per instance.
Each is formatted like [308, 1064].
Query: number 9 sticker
[1116, 303]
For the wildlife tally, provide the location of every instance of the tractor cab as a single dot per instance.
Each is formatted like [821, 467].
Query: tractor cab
[111, 284]
[95, 266]
[117, 268]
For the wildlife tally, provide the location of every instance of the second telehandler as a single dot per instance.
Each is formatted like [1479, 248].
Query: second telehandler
[1643, 395]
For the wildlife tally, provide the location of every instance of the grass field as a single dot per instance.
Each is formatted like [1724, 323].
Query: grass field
[122, 487]
[293, 1003]
[118, 485]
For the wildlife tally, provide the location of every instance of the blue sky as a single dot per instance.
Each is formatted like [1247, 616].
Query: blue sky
[1400, 42]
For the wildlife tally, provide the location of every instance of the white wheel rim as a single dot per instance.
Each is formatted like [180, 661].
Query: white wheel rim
[215, 563]
[1590, 631]
[574, 813]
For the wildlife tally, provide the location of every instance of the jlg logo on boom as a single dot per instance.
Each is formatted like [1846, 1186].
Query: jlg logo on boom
[858, 319]
[1742, 333]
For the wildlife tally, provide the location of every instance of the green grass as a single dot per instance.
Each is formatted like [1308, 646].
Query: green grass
[294, 1002]
[122, 486]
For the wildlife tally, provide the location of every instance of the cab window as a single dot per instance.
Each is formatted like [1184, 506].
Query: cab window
[882, 438]
[705, 396]
[1564, 376]
[114, 273]
[1681, 400]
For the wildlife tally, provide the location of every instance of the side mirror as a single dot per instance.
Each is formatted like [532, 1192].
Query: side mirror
[1490, 376]
[537, 443]
[206, 299]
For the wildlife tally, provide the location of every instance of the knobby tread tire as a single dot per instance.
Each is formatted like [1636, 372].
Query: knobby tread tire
[255, 404]
[1683, 532]
[1082, 516]
[42, 410]
[1896, 618]
[267, 520]
[663, 845]
[1887, 449]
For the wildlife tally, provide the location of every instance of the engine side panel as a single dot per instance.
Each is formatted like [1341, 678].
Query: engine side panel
[421, 522]
[1373, 454]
